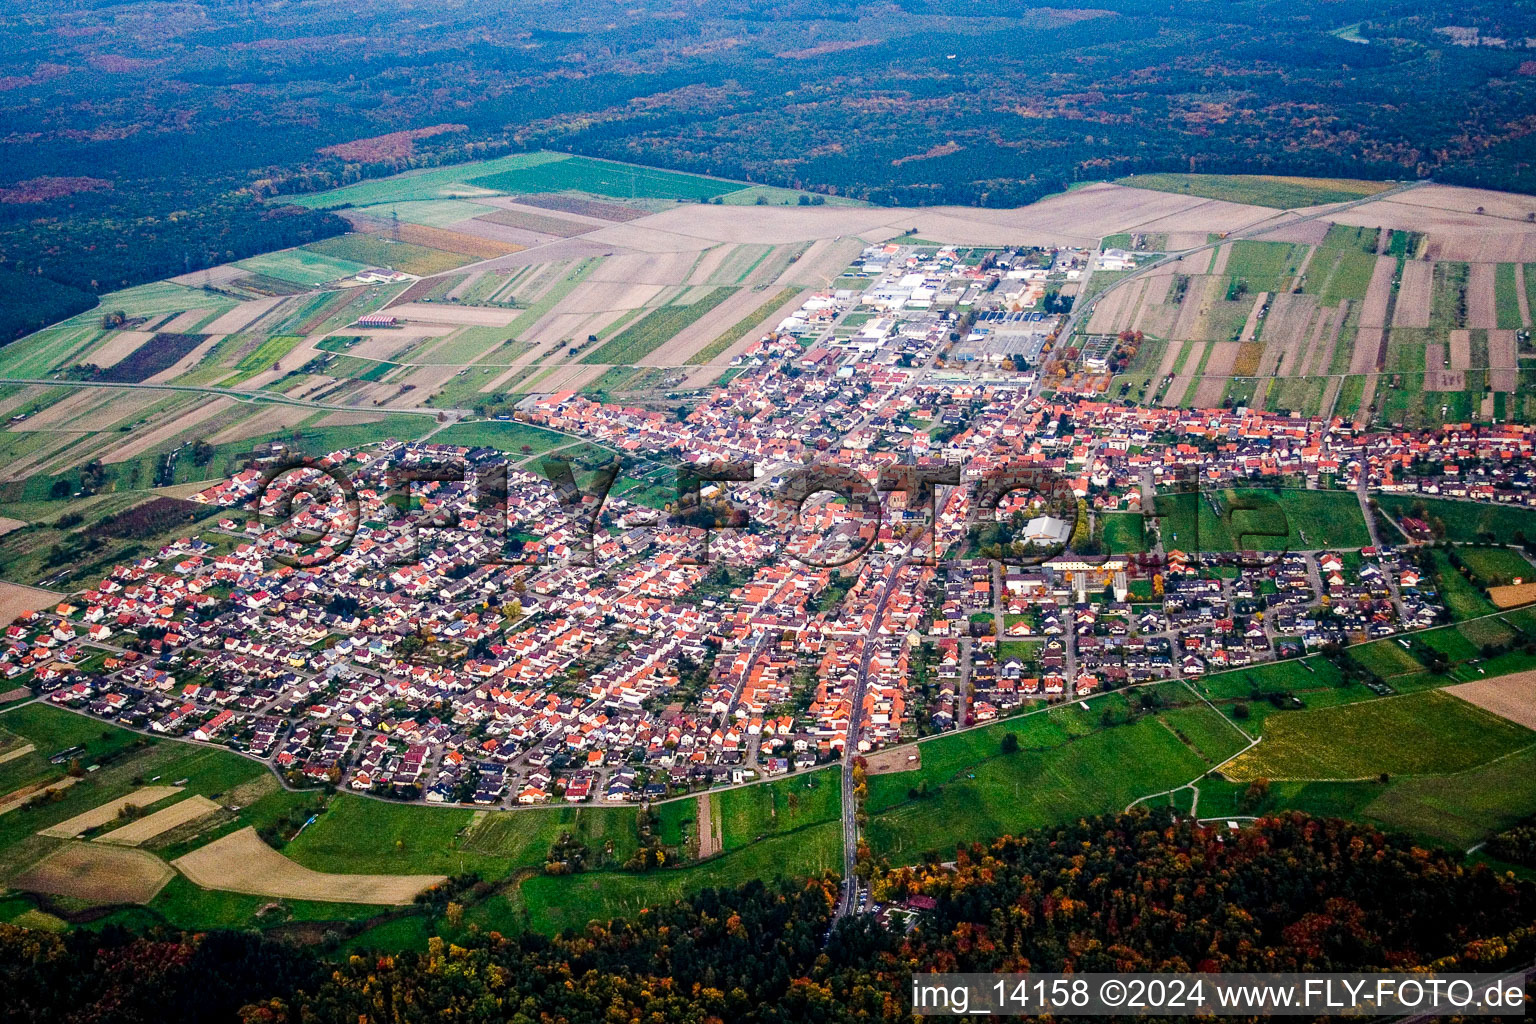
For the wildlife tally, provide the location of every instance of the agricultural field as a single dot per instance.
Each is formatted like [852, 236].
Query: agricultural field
[967, 788]
[373, 251]
[1426, 733]
[603, 178]
[1262, 520]
[1259, 189]
[645, 336]
[304, 267]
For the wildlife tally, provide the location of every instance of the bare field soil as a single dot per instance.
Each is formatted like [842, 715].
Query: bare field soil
[99, 875]
[15, 598]
[117, 347]
[707, 828]
[1503, 361]
[141, 831]
[464, 316]
[1461, 350]
[1482, 309]
[241, 316]
[1413, 297]
[1373, 311]
[1214, 379]
[241, 862]
[1512, 595]
[1512, 697]
[103, 814]
[907, 757]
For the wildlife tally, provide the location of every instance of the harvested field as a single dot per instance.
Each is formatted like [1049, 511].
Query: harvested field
[1461, 350]
[160, 352]
[680, 348]
[475, 316]
[1370, 346]
[100, 875]
[560, 227]
[1251, 326]
[1213, 380]
[457, 242]
[1522, 297]
[241, 862]
[136, 833]
[1482, 307]
[16, 598]
[1285, 333]
[1378, 294]
[1512, 595]
[1198, 296]
[103, 814]
[1511, 697]
[1415, 295]
[16, 798]
[241, 316]
[187, 321]
[186, 419]
[119, 346]
[585, 207]
[1503, 361]
[1319, 360]
[1113, 309]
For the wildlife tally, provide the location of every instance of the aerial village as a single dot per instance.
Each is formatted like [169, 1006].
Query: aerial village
[543, 647]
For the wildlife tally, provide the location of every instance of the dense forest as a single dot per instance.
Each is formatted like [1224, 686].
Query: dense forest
[1133, 892]
[143, 139]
